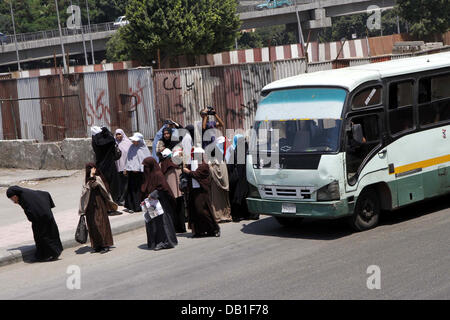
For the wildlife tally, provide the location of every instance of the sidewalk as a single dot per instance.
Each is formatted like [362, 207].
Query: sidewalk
[11, 176]
[16, 238]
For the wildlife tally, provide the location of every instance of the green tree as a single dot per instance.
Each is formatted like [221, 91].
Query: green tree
[426, 18]
[39, 15]
[265, 36]
[176, 27]
[116, 48]
[106, 10]
[346, 26]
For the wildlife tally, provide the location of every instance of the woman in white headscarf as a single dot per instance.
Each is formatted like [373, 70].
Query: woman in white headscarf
[124, 145]
[134, 169]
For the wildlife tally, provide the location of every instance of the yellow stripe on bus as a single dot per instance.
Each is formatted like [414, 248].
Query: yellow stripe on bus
[422, 164]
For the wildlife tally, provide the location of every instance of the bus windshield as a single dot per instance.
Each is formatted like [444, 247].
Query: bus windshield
[296, 136]
[305, 119]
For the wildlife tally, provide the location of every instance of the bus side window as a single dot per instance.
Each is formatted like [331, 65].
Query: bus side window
[440, 95]
[368, 97]
[400, 106]
[428, 112]
[434, 99]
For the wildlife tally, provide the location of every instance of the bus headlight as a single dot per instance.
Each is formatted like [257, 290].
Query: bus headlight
[253, 191]
[329, 192]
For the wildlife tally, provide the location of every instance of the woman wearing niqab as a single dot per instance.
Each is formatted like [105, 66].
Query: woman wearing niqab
[95, 203]
[104, 146]
[134, 169]
[201, 218]
[37, 206]
[238, 179]
[124, 145]
[160, 230]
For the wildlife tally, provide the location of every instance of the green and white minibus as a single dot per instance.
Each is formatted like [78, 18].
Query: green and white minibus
[352, 141]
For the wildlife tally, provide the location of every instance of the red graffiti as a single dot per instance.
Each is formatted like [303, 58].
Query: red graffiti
[93, 113]
[139, 98]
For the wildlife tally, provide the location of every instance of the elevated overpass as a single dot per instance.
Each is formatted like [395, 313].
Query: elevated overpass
[46, 44]
[313, 15]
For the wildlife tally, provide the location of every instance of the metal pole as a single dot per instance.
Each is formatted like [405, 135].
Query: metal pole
[61, 39]
[381, 22]
[301, 39]
[82, 36]
[15, 37]
[90, 32]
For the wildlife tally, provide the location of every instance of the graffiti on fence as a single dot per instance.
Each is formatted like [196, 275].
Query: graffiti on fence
[172, 85]
[100, 112]
[138, 93]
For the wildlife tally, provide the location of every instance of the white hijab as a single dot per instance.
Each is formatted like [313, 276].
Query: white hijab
[137, 154]
[124, 146]
[95, 130]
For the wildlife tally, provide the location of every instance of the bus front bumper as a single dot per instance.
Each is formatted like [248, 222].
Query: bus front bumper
[319, 210]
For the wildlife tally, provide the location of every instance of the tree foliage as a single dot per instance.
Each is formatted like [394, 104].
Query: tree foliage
[426, 17]
[268, 36]
[347, 26]
[175, 27]
[40, 15]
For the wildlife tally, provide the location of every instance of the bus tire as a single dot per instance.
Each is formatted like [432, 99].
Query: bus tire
[367, 211]
[289, 222]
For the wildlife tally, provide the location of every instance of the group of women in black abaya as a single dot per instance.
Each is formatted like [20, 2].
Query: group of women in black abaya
[125, 173]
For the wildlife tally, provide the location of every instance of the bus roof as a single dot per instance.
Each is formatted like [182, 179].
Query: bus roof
[351, 77]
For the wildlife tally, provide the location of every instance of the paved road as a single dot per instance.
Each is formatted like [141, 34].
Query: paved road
[259, 260]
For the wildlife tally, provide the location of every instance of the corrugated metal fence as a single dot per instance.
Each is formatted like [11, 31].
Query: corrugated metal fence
[233, 90]
[54, 107]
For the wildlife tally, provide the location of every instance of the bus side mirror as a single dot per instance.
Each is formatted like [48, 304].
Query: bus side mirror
[357, 133]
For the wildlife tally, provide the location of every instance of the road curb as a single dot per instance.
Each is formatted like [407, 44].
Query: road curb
[45, 177]
[67, 239]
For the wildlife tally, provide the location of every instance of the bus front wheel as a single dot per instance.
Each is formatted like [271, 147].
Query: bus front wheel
[289, 222]
[367, 211]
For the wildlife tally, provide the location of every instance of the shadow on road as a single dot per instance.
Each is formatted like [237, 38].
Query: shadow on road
[308, 229]
[27, 253]
[83, 250]
[334, 229]
[184, 235]
[144, 247]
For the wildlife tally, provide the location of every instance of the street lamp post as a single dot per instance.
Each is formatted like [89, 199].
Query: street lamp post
[90, 33]
[15, 37]
[82, 32]
[61, 39]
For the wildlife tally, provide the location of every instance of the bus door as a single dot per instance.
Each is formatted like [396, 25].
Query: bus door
[363, 140]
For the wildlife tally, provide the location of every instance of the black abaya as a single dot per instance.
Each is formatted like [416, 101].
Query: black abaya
[104, 146]
[37, 206]
[134, 194]
[239, 190]
[160, 230]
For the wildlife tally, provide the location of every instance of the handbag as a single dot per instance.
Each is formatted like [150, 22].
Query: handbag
[82, 232]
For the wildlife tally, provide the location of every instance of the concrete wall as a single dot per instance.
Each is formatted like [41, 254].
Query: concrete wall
[69, 154]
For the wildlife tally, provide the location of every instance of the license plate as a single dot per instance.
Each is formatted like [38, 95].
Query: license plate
[288, 208]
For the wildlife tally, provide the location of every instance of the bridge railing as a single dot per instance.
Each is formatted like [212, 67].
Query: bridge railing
[249, 6]
[48, 34]
[245, 6]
